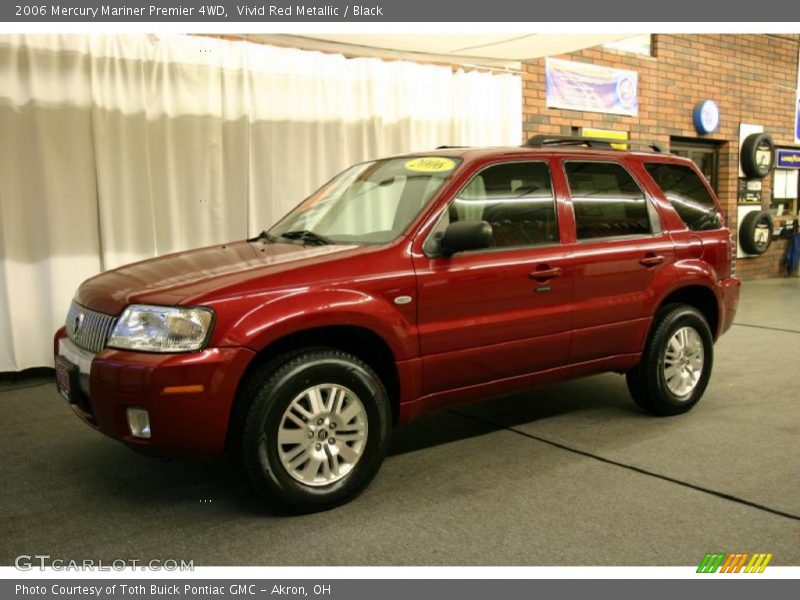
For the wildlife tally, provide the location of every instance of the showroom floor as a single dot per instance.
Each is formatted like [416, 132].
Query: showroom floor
[573, 474]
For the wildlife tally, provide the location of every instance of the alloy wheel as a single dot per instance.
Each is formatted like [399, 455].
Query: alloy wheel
[322, 434]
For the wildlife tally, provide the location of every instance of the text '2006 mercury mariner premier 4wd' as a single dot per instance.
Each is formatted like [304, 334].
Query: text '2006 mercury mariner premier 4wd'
[404, 285]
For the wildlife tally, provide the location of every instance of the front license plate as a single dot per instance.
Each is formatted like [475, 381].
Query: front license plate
[65, 375]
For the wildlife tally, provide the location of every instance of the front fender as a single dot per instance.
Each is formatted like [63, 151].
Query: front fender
[280, 315]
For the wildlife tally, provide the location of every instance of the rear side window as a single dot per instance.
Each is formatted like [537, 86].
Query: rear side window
[606, 200]
[688, 195]
[516, 199]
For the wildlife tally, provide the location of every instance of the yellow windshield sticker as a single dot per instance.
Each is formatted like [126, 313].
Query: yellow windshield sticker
[430, 164]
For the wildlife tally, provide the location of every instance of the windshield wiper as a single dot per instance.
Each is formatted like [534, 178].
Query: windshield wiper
[308, 236]
[264, 235]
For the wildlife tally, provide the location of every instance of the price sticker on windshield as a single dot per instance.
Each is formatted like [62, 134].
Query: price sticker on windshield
[430, 164]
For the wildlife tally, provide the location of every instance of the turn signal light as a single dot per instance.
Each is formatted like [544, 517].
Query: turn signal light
[184, 389]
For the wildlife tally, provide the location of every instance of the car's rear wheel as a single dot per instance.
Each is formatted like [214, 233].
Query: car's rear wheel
[676, 363]
[316, 431]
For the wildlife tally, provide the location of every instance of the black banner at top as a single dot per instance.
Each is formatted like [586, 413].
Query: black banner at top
[264, 11]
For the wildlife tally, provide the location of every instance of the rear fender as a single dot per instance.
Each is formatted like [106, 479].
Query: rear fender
[683, 274]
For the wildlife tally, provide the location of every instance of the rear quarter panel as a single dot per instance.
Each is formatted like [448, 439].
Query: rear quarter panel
[714, 246]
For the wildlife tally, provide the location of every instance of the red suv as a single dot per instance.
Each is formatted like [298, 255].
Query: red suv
[404, 285]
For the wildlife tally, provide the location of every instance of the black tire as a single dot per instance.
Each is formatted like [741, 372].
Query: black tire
[647, 382]
[269, 394]
[755, 232]
[755, 148]
[244, 398]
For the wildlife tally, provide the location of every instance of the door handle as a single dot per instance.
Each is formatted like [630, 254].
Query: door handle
[651, 260]
[545, 272]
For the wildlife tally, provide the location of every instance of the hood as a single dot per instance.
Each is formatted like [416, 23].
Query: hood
[173, 278]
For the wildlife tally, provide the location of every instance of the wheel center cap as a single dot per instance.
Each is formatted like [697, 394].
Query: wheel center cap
[322, 434]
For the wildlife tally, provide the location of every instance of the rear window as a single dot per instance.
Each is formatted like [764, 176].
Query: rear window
[688, 195]
[606, 200]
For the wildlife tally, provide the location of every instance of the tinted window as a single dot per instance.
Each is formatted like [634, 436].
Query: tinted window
[688, 195]
[516, 199]
[606, 200]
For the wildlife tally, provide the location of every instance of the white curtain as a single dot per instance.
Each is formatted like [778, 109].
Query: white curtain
[118, 148]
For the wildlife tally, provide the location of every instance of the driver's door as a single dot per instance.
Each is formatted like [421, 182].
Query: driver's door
[503, 312]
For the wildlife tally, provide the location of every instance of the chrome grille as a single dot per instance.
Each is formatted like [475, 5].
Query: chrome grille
[89, 329]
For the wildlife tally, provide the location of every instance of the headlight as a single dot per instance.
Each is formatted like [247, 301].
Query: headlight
[161, 328]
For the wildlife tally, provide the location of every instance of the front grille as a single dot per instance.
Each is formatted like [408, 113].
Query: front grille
[89, 329]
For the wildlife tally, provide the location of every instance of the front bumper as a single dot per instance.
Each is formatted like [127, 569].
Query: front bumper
[182, 422]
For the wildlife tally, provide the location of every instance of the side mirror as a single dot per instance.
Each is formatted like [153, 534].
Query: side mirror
[465, 235]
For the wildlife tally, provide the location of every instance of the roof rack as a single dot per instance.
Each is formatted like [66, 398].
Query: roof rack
[538, 141]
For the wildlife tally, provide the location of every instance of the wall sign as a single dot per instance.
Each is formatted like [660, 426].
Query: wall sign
[754, 185]
[706, 116]
[758, 155]
[747, 195]
[797, 120]
[797, 106]
[593, 88]
[788, 159]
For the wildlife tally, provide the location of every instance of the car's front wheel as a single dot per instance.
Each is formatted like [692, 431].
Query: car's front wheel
[316, 431]
[676, 362]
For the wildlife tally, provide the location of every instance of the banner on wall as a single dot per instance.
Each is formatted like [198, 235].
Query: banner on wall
[593, 88]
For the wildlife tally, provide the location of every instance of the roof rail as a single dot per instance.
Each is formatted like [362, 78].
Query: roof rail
[538, 141]
[446, 147]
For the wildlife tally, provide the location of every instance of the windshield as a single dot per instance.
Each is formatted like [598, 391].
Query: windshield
[371, 202]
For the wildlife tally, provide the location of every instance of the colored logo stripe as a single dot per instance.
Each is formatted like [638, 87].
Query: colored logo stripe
[734, 563]
[711, 563]
[758, 563]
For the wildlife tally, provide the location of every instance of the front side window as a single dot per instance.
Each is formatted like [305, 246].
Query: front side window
[606, 200]
[688, 195]
[371, 202]
[515, 198]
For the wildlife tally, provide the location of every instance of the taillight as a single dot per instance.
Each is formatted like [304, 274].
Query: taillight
[732, 261]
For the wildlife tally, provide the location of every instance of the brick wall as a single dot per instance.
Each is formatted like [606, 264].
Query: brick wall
[753, 79]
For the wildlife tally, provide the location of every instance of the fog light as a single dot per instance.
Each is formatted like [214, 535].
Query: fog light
[139, 422]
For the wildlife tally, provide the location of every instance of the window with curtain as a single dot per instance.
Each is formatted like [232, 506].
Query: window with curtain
[118, 148]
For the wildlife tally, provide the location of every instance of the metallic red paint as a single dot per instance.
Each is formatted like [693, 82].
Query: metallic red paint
[182, 424]
[480, 323]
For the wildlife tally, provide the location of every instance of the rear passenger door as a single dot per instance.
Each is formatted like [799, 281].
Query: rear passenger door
[618, 251]
[505, 311]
